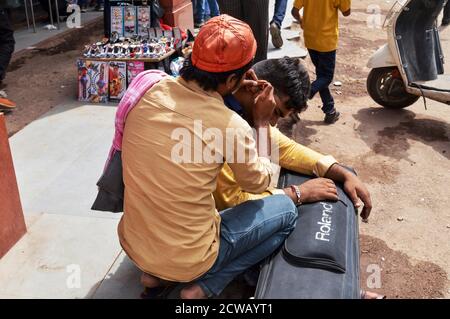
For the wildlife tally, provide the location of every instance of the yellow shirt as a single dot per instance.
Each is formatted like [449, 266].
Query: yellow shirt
[293, 156]
[170, 227]
[321, 22]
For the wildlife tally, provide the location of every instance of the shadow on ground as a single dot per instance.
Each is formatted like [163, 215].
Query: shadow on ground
[397, 128]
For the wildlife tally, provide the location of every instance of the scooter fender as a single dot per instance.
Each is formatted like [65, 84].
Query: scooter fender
[381, 58]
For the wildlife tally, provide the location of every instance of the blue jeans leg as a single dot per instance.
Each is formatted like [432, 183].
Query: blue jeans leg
[200, 11]
[279, 12]
[213, 8]
[249, 233]
[325, 63]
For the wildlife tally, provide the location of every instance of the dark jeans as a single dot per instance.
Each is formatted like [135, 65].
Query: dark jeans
[249, 233]
[446, 18]
[201, 9]
[325, 63]
[279, 12]
[6, 42]
[256, 14]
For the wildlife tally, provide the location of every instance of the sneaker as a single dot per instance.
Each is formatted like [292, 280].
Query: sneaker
[83, 9]
[275, 33]
[199, 24]
[99, 8]
[6, 104]
[332, 117]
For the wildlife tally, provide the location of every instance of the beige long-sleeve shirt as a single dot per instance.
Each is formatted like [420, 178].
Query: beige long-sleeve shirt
[172, 154]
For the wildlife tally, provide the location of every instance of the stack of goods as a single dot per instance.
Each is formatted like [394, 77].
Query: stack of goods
[109, 66]
[100, 82]
[130, 20]
[130, 48]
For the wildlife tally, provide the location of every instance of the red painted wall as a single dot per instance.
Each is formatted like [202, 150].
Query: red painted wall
[12, 223]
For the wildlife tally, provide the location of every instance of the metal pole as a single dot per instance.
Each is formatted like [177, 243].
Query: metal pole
[26, 14]
[51, 13]
[32, 16]
[57, 13]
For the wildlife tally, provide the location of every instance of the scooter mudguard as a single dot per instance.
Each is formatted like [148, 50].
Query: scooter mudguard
[320, 259]
[381, 58]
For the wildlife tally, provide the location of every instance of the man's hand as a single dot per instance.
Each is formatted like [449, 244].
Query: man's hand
[314, 190]
[264, 106]
[251, 82]
[354, 188]
[296, 14]
[318, 189]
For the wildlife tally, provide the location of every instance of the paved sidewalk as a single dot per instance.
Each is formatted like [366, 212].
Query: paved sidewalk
[58, 160]
[70, 251]
[26, 38]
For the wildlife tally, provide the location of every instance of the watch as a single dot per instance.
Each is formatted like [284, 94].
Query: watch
[297, 192]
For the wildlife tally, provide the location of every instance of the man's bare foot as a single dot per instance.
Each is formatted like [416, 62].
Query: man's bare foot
[149, 281]
[371, 295]
[192, 292]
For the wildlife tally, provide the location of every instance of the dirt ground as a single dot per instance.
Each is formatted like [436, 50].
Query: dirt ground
[403, 155]
[42, 78]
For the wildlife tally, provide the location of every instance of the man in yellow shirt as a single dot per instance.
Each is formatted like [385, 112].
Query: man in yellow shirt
[290, 80]
[320, 23]
[175, 142]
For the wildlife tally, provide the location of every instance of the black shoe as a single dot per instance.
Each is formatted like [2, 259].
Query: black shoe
[99, 7]
[331, 118]
[275, 33]
[445, 23]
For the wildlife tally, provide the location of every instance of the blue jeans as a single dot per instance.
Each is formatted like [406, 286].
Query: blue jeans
[206, 6]
[249, 233]
[279, 12]
[325, 63]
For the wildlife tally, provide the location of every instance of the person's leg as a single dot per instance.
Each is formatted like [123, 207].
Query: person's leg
[279, 12]
[232, 8]
[315, 85]
[325, 63]
[446, 18]
[100, 5]
[256, 14]
[277, 21]
[6, 42]
[107, 18]
[326, 74]
[200, 13]
[213, 8]
[6, 50]
[249, 233]
[83, 5]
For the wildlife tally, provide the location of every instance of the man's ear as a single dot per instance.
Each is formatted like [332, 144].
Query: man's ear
[232, 83]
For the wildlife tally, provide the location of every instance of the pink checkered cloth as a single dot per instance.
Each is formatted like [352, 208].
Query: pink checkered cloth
[138, 87]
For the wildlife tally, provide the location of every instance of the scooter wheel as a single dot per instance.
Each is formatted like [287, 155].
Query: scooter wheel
[385, 86]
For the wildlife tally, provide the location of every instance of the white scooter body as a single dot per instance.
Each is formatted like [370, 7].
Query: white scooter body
[389, 56]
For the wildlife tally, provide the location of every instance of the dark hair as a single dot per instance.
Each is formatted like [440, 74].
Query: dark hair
[288, 76]
[209, 81]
